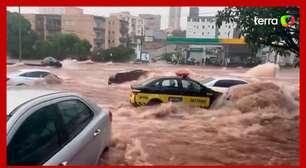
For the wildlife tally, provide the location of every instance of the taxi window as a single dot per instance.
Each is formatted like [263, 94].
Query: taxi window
[190, 85]
[169, 83]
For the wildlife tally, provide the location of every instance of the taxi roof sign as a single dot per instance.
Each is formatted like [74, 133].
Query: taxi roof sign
[182, 73]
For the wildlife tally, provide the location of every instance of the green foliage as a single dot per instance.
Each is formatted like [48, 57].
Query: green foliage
[257, 36]
[66, 45]
[28, 37]
[117, 54]
[60, 46]
[81, 50]
[42, 49]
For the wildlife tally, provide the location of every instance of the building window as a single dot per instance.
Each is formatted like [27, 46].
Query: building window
[203, 27]
[212, 27]
[202, 33]
[193, 32]
[208, 26]
[229, 27]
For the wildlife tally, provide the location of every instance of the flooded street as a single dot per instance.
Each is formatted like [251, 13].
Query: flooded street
[258, 125]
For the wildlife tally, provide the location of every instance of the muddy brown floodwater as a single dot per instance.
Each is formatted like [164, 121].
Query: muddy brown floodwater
[255, 124]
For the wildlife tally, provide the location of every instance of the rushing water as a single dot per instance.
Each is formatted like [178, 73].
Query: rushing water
[254, 124]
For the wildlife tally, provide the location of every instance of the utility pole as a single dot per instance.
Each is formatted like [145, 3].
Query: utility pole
[19, 35]
[45, 27]
[141, 43]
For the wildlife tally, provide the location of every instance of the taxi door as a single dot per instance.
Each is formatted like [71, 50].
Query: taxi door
[171, 91]
[194, 94]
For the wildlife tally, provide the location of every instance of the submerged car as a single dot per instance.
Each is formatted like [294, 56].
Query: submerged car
[50, 61]
[46, 127]
[28, 77]
[125, 76]
[222, 84]
[178, 88]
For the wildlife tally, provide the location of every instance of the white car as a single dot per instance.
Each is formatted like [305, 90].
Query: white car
[46, 127]
[222, 84]
[27, 77]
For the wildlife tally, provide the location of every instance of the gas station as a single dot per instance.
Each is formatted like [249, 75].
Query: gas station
[212, 51]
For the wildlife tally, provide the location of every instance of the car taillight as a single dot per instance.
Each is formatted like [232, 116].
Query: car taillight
[110, 116]
[135, 91]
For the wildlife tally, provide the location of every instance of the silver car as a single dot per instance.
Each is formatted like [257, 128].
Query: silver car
[47, 127]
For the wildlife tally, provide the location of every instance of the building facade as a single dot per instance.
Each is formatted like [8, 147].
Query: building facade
[174, 19]
[201, 27]
[45, 25]
[228, 31]
[206, 27]
[117, 32]
[50, 21]
[151, 23]
[135, 25]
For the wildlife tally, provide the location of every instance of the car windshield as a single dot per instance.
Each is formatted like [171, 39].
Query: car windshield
[207, 80]
[147, 82]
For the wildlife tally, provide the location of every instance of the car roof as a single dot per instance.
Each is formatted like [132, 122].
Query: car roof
[33, 70]
[19, 96]
[227, 78]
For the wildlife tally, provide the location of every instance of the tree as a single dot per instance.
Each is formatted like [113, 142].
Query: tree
[81, 50]
[276, 36]
[117, 54]
[42, 49]
[66, 45]
[28, 37]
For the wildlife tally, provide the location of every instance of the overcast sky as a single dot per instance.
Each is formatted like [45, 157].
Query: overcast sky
[105, 11]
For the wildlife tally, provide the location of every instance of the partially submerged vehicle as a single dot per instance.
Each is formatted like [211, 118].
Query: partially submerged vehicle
[50, 61]
[28, 77]
[178, 88]
[125, 76]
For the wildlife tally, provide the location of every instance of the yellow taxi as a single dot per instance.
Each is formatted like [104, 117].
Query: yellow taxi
[178, 88]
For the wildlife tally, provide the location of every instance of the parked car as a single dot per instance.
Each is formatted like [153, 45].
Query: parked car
[46, 127]
[50, 61]
[222, 84]
[28, 77]
[178, 88]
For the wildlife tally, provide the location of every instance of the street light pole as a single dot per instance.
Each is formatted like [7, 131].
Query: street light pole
[141, 43]
[19, 35]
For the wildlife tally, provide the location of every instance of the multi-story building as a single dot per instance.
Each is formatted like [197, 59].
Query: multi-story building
[135, 25]
[46, 25]
[201, 27]
[94, 31]
[117, 32]
[174, 18]
[50, 21]
[151, 23]
[206, 27]
[228, 31]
